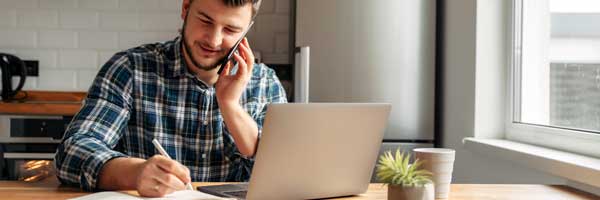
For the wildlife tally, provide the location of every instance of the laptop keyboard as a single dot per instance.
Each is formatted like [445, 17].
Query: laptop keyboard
[239, 194]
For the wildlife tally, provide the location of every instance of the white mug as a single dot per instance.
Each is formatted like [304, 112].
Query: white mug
[440, 162]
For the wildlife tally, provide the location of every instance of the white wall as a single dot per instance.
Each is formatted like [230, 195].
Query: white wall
[471, 57]
[73, 38]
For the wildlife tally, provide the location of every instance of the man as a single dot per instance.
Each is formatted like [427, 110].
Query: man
[208, 123]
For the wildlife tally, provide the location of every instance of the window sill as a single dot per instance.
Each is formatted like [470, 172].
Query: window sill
[575, 167]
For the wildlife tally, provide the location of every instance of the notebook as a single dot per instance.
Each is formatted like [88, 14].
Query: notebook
[179, 195]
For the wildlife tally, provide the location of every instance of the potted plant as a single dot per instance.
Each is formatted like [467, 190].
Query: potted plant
[404, 180]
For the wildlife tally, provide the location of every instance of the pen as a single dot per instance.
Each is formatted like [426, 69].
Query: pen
[162, 152]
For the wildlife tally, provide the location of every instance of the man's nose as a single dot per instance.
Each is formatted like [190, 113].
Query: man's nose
[215, 38]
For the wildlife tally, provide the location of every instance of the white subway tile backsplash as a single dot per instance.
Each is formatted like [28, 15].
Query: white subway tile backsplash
[129, 40]
[104, 56]
[57, 39]
[56, 79]
[148, 4]
[283, 6]
[160, 22]
[171, 5]
[267, 6]
[282, 43]
[98, 40]
[274, 23]
[73, 38]
[17, 39]
[8, 19]
[119, 21]
[128, 5]
[9, 51]
[47, 58]
[38, 19]
[261, 41]
[85, 79]
[98, 4]
[58, 4]
[79, 19]
[30, 82]
[78, 59]
[18, 3]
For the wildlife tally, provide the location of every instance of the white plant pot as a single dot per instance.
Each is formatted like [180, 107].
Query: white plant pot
[396, 192]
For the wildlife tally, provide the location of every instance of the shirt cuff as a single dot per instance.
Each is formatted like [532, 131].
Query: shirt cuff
[249, 158]
[92, 166]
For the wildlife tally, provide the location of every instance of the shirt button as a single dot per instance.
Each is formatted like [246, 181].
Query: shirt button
[205, 122]
[203, 155]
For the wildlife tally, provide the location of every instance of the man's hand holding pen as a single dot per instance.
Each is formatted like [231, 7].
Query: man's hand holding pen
[159, 176]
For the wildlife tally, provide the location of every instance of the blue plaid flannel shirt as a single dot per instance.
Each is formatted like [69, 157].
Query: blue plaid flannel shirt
[146, 93]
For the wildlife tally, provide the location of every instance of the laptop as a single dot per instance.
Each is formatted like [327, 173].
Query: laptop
[315, 150]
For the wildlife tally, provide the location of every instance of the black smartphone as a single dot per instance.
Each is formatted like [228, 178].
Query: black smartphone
[233, 49]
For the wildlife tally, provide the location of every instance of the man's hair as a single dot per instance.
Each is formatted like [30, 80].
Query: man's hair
[237, 3]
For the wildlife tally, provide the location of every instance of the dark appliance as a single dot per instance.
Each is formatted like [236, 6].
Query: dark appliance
[27, 146]
[10, 66]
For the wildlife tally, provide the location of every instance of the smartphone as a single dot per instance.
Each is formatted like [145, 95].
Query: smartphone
[233, 49]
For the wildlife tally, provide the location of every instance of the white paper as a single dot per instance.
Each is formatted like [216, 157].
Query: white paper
[179, 195]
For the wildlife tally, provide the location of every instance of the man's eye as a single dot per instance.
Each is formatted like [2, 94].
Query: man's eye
[228, 30]
[205, 21]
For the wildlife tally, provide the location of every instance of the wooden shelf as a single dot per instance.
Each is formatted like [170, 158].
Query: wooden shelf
[44, 103]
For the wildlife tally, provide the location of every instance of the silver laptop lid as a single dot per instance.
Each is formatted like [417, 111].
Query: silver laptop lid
[317, 150]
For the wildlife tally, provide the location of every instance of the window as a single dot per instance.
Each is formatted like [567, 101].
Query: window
[555, 84]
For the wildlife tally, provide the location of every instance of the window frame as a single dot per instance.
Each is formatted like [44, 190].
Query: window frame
[565, 139]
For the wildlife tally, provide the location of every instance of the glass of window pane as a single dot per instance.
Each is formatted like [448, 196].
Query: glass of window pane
[559, 68]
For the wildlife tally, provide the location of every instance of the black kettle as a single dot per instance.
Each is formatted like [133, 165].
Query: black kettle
[10, 66]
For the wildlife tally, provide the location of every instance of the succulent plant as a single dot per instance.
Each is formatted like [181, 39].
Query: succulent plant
[396, 170]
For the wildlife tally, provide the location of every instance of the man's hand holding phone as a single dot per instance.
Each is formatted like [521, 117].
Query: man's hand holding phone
[229, 87]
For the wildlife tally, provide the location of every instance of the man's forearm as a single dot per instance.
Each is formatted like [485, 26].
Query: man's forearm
[120, 174]
[242, 127]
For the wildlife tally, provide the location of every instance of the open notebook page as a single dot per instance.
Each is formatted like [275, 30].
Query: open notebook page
[179, 195]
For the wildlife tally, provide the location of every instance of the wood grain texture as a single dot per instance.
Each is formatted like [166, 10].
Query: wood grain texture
[44, 103]
[51, 190]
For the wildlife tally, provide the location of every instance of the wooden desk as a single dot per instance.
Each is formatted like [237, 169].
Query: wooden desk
[12, 190]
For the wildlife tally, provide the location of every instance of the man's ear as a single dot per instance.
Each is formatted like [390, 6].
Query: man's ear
[185, 7]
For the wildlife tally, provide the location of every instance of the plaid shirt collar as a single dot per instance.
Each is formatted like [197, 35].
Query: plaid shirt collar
[178, 66]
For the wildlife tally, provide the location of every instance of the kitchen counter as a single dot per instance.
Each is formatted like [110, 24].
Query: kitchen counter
[44, 103]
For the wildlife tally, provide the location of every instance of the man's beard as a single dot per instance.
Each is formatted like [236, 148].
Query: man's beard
[188, 50]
